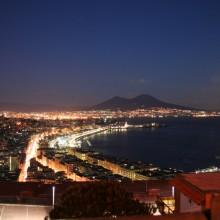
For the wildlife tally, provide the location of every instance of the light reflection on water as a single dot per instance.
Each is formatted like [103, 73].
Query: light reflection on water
[184, 144]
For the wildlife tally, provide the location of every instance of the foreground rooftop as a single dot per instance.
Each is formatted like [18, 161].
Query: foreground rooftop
[206, 182]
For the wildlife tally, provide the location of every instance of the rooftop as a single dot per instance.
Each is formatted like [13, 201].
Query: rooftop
[207, 182]
[197, 185]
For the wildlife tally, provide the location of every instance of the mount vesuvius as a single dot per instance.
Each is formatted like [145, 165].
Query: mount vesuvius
[141, 101]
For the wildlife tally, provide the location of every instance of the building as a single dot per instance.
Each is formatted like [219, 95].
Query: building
[195, 192]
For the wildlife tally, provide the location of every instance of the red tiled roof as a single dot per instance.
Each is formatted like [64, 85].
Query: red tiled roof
[206, 182]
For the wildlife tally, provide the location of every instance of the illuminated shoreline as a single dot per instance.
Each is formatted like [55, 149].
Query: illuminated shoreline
[33, 145]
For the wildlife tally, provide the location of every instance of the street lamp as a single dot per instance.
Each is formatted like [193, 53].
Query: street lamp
[53, 196]
[173, 191]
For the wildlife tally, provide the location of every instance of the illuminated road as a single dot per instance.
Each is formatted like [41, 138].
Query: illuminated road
[30, 153]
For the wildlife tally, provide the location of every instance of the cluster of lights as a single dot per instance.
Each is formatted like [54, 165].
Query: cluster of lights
[208, 170]
[152, 113]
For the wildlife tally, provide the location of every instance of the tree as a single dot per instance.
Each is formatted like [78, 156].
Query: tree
[96, 199]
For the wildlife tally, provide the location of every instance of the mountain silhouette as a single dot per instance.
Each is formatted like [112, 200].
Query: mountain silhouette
[141, 101]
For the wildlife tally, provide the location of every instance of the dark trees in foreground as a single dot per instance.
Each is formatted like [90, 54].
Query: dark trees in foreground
[96, 199]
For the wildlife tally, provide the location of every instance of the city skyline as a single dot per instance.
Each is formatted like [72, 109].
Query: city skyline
[82, 53]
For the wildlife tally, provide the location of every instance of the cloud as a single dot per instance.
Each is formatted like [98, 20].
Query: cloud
[215, 79]
[140, 81]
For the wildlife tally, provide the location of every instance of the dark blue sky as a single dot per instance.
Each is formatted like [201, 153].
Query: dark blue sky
[71, 52]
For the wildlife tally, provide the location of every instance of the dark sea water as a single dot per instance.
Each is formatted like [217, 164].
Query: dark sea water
[185, 143]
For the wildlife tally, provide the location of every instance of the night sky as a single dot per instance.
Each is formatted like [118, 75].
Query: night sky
[71, 52]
